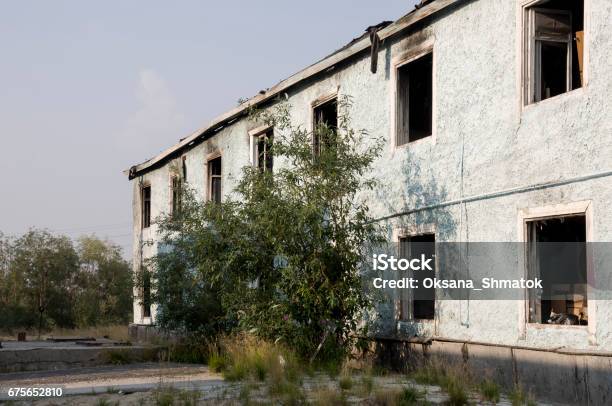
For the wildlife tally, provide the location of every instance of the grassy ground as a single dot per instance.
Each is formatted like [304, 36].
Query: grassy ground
[258, 372]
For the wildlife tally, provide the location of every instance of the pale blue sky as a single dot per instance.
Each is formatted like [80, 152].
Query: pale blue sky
[87, 89]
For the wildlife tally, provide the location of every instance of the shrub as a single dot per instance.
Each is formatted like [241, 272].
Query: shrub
[345, 382]
[308, 270]
[456, 390]
[518, 397]
[193, 351]
[490, 391]
[119, 357]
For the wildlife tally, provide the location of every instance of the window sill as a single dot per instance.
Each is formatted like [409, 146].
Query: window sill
[560, 98]
[427, 139]
[538, 326]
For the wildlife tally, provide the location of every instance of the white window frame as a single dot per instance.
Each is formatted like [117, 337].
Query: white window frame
[409, 232]
[523, 79]
[210, 158]
[414, 53]
[558, 210]
[254, 136]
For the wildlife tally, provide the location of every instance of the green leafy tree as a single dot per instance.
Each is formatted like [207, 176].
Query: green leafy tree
[283, 259]
[105, 282]
[45, 282]
[44, 268]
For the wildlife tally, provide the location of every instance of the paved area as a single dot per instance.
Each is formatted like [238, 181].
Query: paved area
[139, 384]
[114, 379]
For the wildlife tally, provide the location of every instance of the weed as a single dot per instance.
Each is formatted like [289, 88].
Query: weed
[192, 352]
[328, 396]
[244, 357]
[119, 357]
[429, 374]
[517, 396]
[164, 398]
[189, 398]
[367, 384]
[245, 394]
[410, 396]
[106, 402]
[345, 382]
[457, 394]
[217, 362]
[489, 391]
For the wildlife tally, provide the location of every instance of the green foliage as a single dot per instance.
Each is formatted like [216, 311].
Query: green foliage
[106, 402]
[169, 396]
[119, 357]
[191, 352]
[218, 362]
[367, 384]
[518, 397]
[345, 382]
[410, 396]
[282, 261]
[106, 284]
[46, 282]
[429, 374]
[241, 357]
[457, 392]
[490, 391]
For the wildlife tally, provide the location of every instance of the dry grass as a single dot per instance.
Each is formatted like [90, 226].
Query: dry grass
[114, 332]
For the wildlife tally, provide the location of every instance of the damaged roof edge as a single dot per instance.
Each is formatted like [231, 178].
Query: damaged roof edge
[401, 24]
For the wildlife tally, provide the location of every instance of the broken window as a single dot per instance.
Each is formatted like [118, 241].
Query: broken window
[263, 153]
[554, 41]
[184, 167]
[420, 303]
[325, 117]
[556, 253]
[414, 100]
[146, 206]
[214, 180]
[146, 294]
[176, 194]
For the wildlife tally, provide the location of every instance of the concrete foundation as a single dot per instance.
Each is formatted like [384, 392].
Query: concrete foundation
[569, 377]
[43, 356]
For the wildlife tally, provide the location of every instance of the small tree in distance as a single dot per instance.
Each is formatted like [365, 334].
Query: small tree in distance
[282, 260]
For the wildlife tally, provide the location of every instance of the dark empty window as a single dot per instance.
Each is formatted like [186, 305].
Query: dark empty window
[214, 180]
[184, 167]
[146, 294]
[554, 44]
[421, 306]
[146, 206]
[556, 253]
[325, 117]
[263, 153]
[176, 195]
[414, 100]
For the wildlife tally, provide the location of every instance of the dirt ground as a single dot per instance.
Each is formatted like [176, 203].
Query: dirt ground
[181, 384]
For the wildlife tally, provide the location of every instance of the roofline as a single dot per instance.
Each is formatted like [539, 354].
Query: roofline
[227, 118]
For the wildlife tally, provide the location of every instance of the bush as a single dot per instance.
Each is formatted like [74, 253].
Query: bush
[410, 396]
[490, 391]
[119, 357]
[309, 294]
[345, 382]
[456, 390]
[191, 352]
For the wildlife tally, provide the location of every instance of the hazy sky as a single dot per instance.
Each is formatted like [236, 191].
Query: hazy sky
[88, 89]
